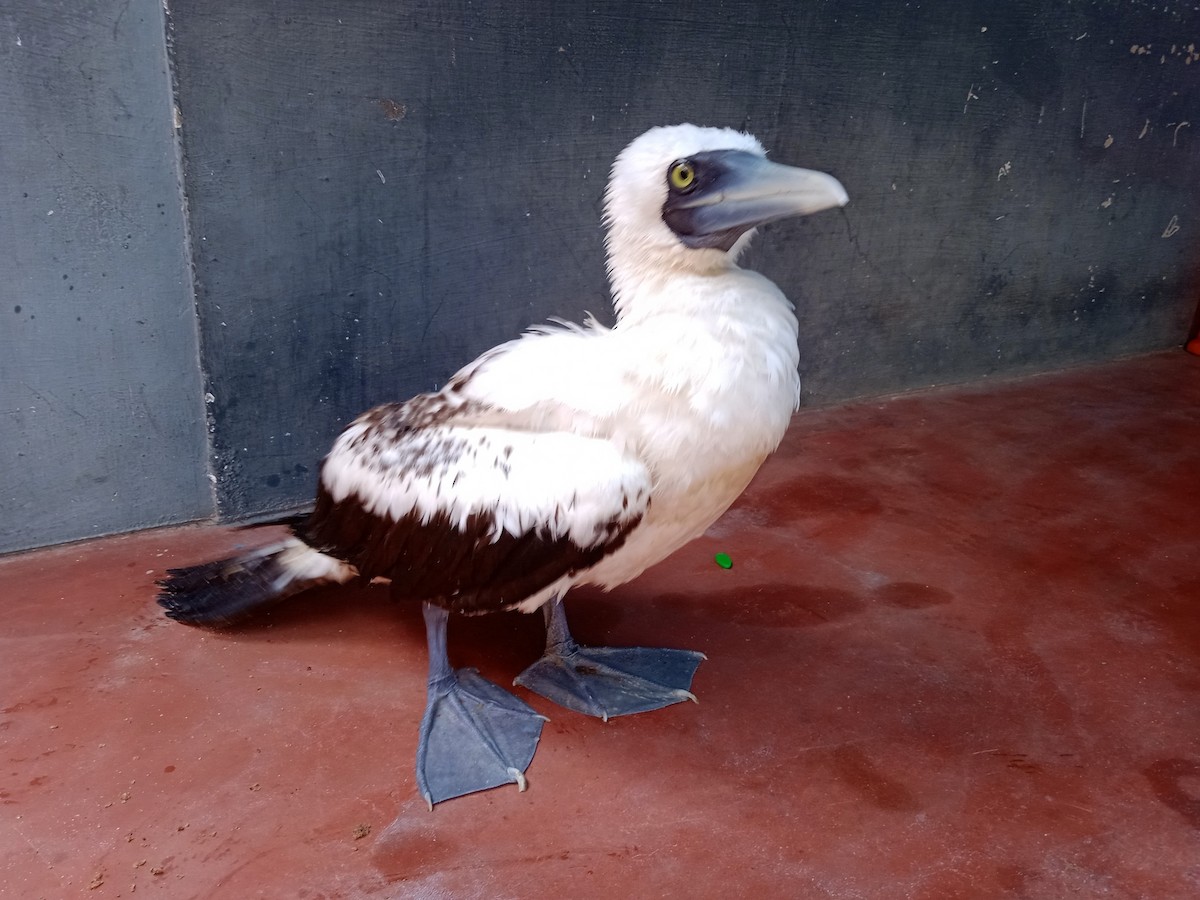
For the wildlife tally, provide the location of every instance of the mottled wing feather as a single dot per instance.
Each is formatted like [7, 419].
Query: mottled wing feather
[468, 517]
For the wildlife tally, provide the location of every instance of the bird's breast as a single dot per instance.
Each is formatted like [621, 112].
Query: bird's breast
[717, 393]
[714, 402]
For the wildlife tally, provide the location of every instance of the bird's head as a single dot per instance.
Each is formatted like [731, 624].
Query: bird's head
[687, 199]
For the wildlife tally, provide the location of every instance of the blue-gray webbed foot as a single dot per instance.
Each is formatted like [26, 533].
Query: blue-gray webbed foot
[474, 735]
[607, 681]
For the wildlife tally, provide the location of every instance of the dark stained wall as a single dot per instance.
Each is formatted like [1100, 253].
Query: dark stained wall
[101, 410]
[380, 191]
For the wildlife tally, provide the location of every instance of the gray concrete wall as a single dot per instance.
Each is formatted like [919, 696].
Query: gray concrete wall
[379, 191]
[101, 410]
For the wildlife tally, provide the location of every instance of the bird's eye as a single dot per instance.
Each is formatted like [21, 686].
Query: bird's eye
[682, 175]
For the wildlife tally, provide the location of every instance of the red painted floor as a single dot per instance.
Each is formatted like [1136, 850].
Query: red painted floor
[957, 655]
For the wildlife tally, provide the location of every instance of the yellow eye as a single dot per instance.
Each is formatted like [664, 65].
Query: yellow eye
[682, 175]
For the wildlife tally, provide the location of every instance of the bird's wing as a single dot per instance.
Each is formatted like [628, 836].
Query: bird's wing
[461, 510]
[557, 377]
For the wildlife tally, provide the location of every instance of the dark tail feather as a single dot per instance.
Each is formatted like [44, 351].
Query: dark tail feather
[293, 519]
[222, 592]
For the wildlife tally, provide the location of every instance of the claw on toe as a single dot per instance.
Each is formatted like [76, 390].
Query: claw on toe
[519, 777]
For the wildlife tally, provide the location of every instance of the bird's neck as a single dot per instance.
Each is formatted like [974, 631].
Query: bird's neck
[648, 282]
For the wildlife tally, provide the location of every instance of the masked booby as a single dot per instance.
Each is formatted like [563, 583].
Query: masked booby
[575, 454]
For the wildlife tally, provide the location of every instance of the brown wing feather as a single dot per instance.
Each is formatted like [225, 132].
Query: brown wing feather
[462, 570]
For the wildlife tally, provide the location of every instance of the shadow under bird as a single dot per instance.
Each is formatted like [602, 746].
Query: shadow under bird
[575, 454]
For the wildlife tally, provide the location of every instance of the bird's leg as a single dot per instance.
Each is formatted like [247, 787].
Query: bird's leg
[474, 735]
[607, 681]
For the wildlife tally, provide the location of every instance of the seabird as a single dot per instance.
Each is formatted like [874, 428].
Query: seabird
[575, 454]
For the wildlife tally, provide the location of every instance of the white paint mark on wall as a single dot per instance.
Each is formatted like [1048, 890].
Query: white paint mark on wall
[1172, 227]
[381, 178]
[1005, 169]
[1188, 54]
[1107, 203]
[1108, 142]
[971, 95]
[1145, 128]
[1082, 119]
[1175, 136]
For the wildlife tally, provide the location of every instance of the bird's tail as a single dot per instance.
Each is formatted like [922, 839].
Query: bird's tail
[217, 593]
